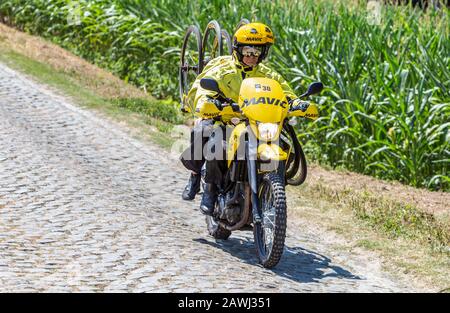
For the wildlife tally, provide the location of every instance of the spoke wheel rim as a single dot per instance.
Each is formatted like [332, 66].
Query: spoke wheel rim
[267, 227]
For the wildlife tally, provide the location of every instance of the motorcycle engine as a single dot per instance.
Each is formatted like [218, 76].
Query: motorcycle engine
[231, 212]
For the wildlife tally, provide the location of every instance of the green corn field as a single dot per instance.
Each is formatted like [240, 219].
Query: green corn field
[385, 110]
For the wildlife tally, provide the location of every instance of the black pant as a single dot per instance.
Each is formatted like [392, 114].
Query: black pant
[206, 135]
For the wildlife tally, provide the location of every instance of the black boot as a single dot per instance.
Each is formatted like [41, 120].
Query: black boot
[209, 199]
[192, 187]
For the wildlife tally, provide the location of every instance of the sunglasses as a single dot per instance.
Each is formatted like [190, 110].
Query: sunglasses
[248, 51]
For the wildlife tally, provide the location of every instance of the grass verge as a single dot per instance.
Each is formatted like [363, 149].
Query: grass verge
[89, 86]
[142, 112]
[412, 245]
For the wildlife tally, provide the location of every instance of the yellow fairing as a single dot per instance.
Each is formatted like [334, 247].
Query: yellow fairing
[263, 100]
[266, 151]
[271, 152]
[312, 112]
[234, 142]
[206, 110]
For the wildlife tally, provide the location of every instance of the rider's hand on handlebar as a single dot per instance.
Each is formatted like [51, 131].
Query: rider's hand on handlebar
[298, 104]
[220, 105]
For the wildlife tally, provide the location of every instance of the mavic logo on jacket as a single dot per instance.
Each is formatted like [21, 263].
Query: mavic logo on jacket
[265, 100]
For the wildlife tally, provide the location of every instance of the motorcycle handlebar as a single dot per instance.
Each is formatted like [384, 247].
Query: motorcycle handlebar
[300, 105]
[222, 104]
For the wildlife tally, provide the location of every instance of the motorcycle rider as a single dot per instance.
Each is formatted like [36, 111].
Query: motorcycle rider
[251, 44]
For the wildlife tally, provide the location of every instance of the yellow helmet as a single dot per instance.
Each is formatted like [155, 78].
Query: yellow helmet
[253, 34]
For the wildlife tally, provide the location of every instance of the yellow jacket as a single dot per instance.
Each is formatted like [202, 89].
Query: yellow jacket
[229, 76]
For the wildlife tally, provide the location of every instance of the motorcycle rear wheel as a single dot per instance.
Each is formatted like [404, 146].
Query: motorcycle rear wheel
[271, 233]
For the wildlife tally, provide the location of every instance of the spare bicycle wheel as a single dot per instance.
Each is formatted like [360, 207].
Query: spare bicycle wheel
[191, 63]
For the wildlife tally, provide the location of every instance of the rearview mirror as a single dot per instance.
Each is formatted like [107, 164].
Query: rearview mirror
[210, 84]
[313, 89]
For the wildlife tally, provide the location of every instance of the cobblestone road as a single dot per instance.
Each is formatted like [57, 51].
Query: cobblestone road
[85, 207]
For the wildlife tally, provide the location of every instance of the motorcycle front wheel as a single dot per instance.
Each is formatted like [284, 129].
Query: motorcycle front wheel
[271, 232]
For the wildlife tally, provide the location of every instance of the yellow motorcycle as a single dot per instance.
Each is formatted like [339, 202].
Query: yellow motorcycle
[262, 156]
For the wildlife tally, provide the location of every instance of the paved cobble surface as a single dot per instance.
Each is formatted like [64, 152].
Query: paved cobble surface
[85, 207]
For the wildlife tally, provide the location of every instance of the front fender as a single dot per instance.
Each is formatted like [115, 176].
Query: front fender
[271, 151]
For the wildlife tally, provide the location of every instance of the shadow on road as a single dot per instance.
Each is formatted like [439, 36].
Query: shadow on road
[298, 264]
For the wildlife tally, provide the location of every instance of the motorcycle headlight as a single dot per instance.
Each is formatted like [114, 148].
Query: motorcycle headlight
[267, 131]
